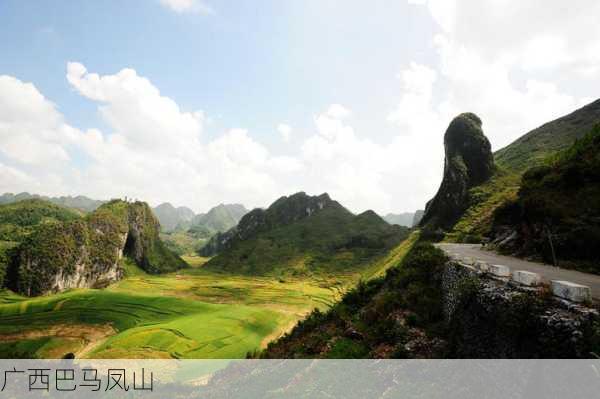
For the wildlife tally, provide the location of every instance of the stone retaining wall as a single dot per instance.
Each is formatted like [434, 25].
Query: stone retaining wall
[492, 315]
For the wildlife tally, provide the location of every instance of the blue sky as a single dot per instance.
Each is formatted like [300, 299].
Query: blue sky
[186, 101]
[249, 64]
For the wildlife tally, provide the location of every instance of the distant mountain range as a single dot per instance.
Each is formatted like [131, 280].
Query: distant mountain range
[203, 225]
[80, 202]
[218, 219]
[407, 219]
[171, 217]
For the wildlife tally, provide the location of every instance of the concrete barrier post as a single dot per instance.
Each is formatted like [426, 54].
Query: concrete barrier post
[526, 278]
[571, 291]
[499, 271]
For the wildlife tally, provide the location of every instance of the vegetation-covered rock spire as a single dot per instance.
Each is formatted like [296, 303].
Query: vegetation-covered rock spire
[469, 162]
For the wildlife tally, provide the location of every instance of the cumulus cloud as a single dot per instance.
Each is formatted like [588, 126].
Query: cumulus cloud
[136, 110]
[482, 46]
[495, 60]
[183, 6]
[339, 161]
[285, 131]
[31, 130]
[152, 149]
[488, 57]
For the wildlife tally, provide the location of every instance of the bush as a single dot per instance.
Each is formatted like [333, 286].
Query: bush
[345, 348]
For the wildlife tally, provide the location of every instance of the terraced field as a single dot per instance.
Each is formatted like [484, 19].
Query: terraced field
[188, 314]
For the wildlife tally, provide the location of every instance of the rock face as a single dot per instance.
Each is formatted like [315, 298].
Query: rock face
[492, 318]
[284, 211]
[468, 163]
[86, 253]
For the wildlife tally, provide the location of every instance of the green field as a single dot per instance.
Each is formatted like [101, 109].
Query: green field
[192, 313]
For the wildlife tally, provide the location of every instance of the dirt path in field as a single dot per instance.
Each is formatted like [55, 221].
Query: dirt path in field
[92, 335]
[278, 332]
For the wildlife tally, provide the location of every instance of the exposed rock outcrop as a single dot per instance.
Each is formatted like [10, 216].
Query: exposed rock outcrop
[468, 163]
[491, 318]
[87, 252]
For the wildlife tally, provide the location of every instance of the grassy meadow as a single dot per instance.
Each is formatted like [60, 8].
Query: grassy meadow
[192, 313]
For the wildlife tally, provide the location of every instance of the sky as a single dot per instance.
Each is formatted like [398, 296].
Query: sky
[201, 102]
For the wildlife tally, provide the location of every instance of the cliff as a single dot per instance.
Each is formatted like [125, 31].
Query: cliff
[87, 252]
[468, 163]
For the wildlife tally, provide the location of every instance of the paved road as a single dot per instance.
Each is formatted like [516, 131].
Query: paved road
[546, 271]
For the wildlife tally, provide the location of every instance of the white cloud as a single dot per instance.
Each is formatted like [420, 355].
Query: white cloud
[12, 179]
[183, 6]
[152, 149]
[285, 131]
[489, 57]
[484, 45]
[32, 132]
[136, 111]
[352, 168]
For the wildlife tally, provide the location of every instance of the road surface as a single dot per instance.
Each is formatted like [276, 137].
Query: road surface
[547, 272]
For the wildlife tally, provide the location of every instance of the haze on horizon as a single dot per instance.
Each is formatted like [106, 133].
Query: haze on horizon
[204, 102]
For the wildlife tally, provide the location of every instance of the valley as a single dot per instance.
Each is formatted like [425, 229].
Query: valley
[305, 277]
[192, 313]
[188, 315]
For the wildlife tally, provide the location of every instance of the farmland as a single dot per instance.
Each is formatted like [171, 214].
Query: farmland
[190, 314]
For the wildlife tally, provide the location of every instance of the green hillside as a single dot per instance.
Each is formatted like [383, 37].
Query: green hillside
[19, 219]
[556, 212]
[394, 316]
[529, 151]
[83, 252]
[143, 242]
[302, 235]
[534, 147]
